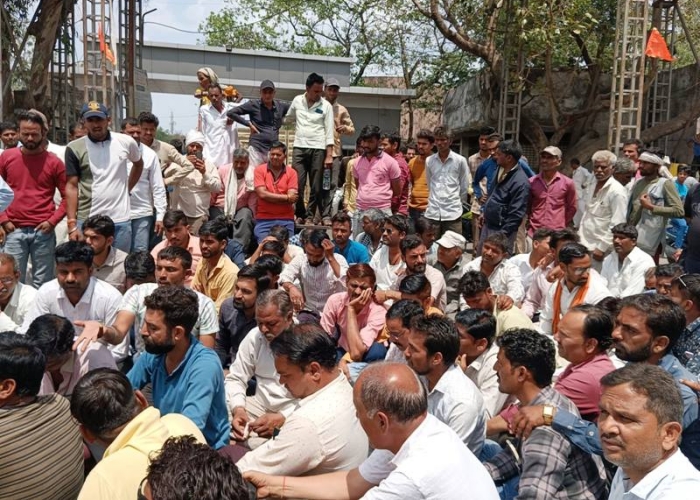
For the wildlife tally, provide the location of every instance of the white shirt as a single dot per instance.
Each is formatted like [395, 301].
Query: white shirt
[601, 213]
[597, 291]
[438, 287]
[255, 358]
[386, 274]
[394, 354]
[317, 283]
[457, 402]
[100, 302]
[322, 435]
[315, 126]
[627, 279]
[522, 261]
[220, 139]
[20, 302]
[448, 186]
[133, 302]
[674, 479]
[481, 372]
[149, 191]
[192, 195]
[504, 280]
[581, 177]
[432, 464]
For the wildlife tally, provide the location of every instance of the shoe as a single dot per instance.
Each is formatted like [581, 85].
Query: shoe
[327, 221]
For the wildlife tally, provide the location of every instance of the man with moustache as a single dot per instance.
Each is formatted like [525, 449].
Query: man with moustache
[27, 225]
[624, 269]
[266, 411]
[186, 376]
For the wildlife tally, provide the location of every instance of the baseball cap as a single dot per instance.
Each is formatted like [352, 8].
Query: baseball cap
[651, 158]
[94, 109]
[451, 239]
[332, 82]
[552, 150]
[267, 84]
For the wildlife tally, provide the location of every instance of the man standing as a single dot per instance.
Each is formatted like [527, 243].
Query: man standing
[452, 263]
[552, 195]
[507, 205]
[314, 140]
[186, 376]
[354, 252]
[651, 465]
[392, 407]
[148, 198]
[418, 200]
[474, 162]
[580, 285]
[108, 262]
[215, 275]
[377, 175]
[320, 272]
[448, 179]
[323, 433]
[265, 120]
[220, 135]
[27, 225]
[391, 144]
[604, 206]
[342, 126]
[9, 135]
[98, 178]
[550, 466]
[433, 346]
[174, 166]
[652, 201]
[237, 313]
[582, 178]
[624, 270]
[15, 298]
[277, 188]
[632, 149]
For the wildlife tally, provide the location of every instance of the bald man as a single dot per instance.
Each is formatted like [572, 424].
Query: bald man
[416, 456]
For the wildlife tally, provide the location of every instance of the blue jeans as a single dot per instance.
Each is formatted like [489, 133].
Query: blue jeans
[681, 229]
[122, 236]
[141, 231]
[262, 227]
[27, 241]
[509, 489]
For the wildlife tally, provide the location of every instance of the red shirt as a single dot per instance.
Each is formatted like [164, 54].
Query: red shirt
[581, 384]
[34, 180]
[287, 181]
[399, 204]
[551, 205]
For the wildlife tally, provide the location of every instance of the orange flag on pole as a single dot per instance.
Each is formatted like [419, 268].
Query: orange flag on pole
[104, 47]
[657, 48]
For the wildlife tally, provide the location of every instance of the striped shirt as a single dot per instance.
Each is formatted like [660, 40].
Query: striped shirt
[42, 451]
[317, 283]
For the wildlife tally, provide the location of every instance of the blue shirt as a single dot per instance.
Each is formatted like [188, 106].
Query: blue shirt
[354, 253]
[194, 389]
[585, 435]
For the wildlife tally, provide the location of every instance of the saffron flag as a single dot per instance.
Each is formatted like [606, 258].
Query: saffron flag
[104, 48]
[657, 48]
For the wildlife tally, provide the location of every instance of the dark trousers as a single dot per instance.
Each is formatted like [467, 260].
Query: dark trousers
[309, 162]
[447, 225]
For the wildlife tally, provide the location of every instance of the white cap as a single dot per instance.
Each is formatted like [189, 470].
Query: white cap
[194, 136]
[651, 158]
[552, 150]
[451, 239]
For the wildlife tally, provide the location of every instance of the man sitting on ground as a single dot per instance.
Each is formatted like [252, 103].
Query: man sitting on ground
[503, 275]
[414, 254]
[112, 414]
[433, 346]
[624, 268]
[42, 452]
[322, 434]
[108, 262]
[186, 376]
[528, 263]
[354, 252]
[552, 467]
[15, 298]
[415, 455]
[398, 326]
[452, 262]
[686, 293]
[215, 275]
[386, 260]
[177, 234]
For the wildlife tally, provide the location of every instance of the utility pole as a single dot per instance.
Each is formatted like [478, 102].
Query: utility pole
[172, 122]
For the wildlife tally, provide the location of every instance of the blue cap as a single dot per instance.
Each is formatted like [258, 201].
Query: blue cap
[94, 109]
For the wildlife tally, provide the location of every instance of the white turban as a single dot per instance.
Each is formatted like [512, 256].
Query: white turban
[194, 136]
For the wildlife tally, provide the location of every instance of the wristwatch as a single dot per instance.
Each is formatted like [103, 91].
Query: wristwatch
[548, 414]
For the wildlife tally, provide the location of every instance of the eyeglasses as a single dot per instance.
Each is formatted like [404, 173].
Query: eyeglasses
[6, 281]
[679, 279]
[140, 495]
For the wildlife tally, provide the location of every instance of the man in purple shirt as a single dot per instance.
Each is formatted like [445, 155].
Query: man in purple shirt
[552, 194]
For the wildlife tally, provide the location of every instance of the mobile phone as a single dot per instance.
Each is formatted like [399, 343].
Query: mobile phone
[198, 154]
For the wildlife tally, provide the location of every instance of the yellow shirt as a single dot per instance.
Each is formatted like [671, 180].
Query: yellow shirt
[217, 283]
[419, 186]
[350, 189]
[125, 463]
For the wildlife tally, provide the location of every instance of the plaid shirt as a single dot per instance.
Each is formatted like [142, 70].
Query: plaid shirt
[552, 468]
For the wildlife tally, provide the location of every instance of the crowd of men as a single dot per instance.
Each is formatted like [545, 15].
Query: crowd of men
[212, 323]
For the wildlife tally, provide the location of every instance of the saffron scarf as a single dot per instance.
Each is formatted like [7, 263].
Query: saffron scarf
[578, 300]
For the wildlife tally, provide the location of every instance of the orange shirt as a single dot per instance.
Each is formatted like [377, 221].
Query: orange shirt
[419, 186]
[287, 181]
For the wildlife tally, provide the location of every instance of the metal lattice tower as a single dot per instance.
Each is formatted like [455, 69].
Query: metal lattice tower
[99, 75]
[62, 89]
[511, 94]
[626, 97]
[129, 54]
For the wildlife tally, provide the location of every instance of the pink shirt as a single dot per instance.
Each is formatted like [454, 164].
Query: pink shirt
[552, 206]
[374, 178]
[581, 384]
[96, 355]
[371, 320]
[399, 204]
[244, 198]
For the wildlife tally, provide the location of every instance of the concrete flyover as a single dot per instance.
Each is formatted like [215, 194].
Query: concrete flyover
[172, 69]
